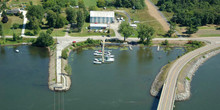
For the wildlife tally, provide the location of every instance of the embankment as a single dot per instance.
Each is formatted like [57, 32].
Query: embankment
[185, 77]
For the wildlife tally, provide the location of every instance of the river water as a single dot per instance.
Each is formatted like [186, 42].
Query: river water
[205, 88]
[121, 85]
[23, 79]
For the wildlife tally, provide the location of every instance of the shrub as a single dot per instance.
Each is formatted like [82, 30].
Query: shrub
[5, 19]
[15, 26]
[68, 69]
[64, 54]
[88, 42]
[165, 43]
[44, 40]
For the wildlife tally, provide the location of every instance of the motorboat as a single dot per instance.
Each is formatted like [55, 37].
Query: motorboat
[109, 55]
[109, 59]
[106, 51]
[100, 53]
[96, 61]
[17, 51]
[106, 59]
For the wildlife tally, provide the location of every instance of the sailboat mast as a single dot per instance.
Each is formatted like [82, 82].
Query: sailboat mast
[103, 50]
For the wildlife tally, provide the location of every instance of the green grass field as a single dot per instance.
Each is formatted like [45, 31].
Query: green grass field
[56, 32]
[144, 17]
[89, 2]
[210, 35]
[16, 3]
[7, 27]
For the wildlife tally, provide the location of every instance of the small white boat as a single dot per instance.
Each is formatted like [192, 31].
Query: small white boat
[106, 51]
[17, 51]
[96, 61]
[109, 55]
[108, 59]
[158, 48]
[100, 53]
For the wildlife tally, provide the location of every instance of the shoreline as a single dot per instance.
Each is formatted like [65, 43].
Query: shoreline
[184, 83]
[184, 80]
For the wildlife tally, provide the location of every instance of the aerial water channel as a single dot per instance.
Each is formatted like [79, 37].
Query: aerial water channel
[121, 85]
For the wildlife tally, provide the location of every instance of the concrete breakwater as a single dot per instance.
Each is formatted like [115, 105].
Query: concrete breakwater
[185, 77]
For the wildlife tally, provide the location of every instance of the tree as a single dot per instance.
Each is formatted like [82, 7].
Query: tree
[4, 19]
[44, 40]
[35, 15]
[3, 6]
[101, 3]
[144, 31]
[93, 8]
[35, 25]
[15, 37]
[1, 30]
[191, 29]
[73, 3]
[35, 11]
[126, 30]
[61, 21]
[80, 20]
[15, 26]
[71, 15]
[81, 4]
[51, 18]
[49, 31]
[172, 29]
[56, 9]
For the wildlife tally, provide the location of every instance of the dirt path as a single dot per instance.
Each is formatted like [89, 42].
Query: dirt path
[154, 13]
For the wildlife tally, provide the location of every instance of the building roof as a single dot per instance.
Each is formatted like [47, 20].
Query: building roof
[102, 14]
[98, 25]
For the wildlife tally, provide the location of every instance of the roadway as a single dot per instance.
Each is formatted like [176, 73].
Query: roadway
[167, 97]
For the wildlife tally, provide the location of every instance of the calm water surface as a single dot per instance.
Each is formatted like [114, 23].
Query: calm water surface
[122, 85]
[205, 88]
[23, 79]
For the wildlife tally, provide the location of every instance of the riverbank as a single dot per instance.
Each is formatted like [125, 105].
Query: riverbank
[184, 79]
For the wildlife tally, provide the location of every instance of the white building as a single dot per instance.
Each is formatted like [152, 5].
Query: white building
[100, 19]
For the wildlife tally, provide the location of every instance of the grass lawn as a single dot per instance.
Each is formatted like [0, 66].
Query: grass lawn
[56, 32]
[7, 27]
[85, 32]
[210, 35]
[18, 2]
[89, 2]
[144, 17]
[9, 41]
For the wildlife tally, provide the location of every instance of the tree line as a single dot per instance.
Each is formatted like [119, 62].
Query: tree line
[192, 13]
[135, 4]
[51, 11]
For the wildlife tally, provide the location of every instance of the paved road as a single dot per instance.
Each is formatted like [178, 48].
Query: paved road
[167, 97]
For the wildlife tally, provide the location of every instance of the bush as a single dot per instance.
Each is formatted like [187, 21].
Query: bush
[44, 40]
[88, 42]
[64, 54]
[15, 26]
[165, 43]
[192, 45]
[68, 69]
[5, 19]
